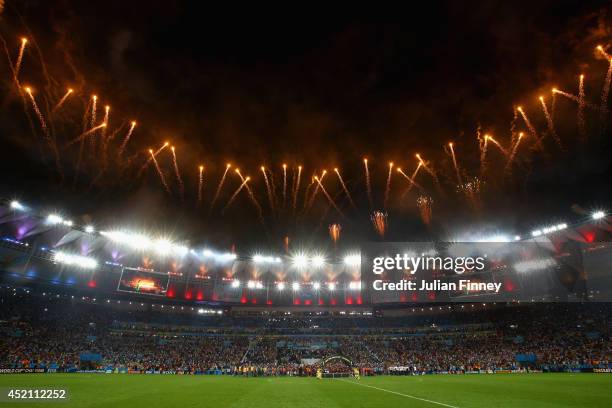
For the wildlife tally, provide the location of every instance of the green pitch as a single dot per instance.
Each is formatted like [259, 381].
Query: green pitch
[133, 391]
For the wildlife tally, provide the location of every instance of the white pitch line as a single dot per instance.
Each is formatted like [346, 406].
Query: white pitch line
[399, 393]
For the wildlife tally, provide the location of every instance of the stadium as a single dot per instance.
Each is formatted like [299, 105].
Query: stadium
[235, 209]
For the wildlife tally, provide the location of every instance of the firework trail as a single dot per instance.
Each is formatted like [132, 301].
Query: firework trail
[41, 118]
[457, 172]
[92, 123]
[233, 197]
[306, 193]
[530, 127]
[47, 136]
[104, 135]
[149, 160]
[410, 179]
[424, 203]
[388, 185]
[177, 173]
[513, 153]
[24, 41]
[252, 197]
[482, 144]
[317, 187]
[549, 121]
[297, 188]
[268, 188]
[62, 100]
[84, 135]
[284, 184]
[348, 195]
[499, 146]
[379, 221]
[603, 109]
[126, 139]
[580, 118]
[218, 191]
[603, 52]
[428, 169]
[334, 233]
[367, 179]
[159, 171]
[200, 184]
[575, 98]
[331, 200]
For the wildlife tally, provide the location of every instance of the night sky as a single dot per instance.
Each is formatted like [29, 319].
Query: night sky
[313, 86]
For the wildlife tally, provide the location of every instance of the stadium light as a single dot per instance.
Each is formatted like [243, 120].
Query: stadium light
[295, 286]
[316, 286]
[16, 205]
[300, 261]
[356, 285]
[318, 261]
[54, 219]
[75, 260]
[265, 259]
[331, 286]
[90, 229]
[235, 283]
[352, 260]
[280, 286]
[250, 284]
[598, 215]
[517, 237]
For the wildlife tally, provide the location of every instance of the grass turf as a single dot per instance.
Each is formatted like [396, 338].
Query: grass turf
[499, 390]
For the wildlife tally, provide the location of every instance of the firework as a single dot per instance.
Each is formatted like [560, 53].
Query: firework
[602, 51]
[471, 189]
[63, 99]
[84, 135]
[200, 184]
[317, 187]
[532, 130]
[177, 173]
[92, 122]
[126, 139]
[388, 185]
[149, 160]
[499, 146]
[233, 197]
[41, 119]
[379, 221]
[424, 203]
[334, 232]
[549, 121]
[159, 172]
[24, 41]
[348, 195]
[513, 153]
[410, 179]
[580, 117]
[297, 188]
[284, 184]
[603, 109]
[104, 136]
[43, 125]
[367, 179]
[428, 169]
[268, 188]
[457, 172]
[252, 197]
[483, 144]
[329, 198]
[216, 196]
